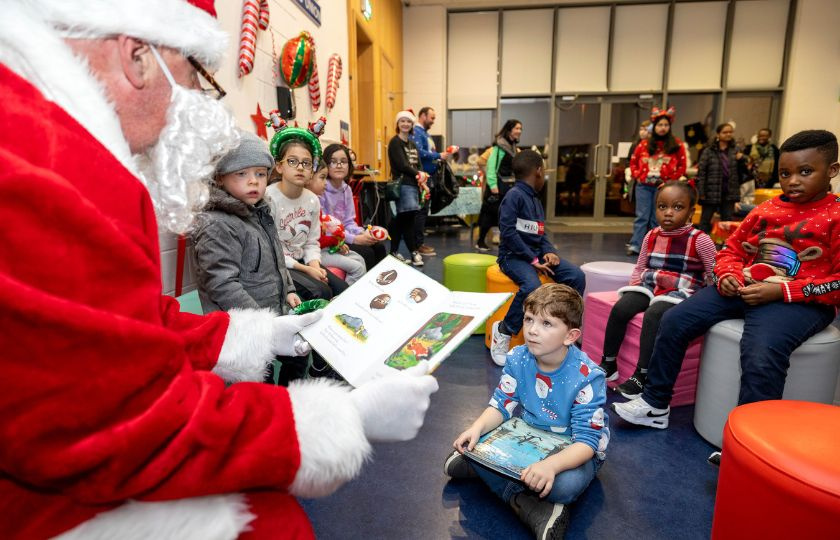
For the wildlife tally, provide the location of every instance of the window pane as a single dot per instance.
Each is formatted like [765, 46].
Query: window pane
[638, 45]
[473, 59]
[473, 128]
[697, 46]
[582, 47]
[534, 115]
[758, 43]
[526, 52]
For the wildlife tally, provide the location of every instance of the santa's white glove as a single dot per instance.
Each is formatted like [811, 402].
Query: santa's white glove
[285, 340]
[392, 408]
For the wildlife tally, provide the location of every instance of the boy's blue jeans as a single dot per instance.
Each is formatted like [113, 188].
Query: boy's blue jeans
[526, 277]
[567, 487]
[771, 333]
[645, 214]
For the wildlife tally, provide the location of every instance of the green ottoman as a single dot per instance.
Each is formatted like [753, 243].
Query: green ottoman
[467, 272]
[190, 303]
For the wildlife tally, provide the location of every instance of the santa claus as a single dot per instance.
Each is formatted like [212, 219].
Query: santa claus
[119, 422]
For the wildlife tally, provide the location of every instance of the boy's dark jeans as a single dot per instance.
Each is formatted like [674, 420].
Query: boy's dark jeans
[525, 276]
[771, 333]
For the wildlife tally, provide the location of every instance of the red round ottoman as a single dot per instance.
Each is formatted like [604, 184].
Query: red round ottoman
[780, 472]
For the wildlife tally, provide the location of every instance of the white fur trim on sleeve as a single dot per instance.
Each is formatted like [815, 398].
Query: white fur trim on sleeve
[219, 517]
[332, 441]
[635, 288]
[246, 350]
[666, 298]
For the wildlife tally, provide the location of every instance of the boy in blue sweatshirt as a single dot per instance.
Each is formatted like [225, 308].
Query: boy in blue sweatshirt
[524, 250]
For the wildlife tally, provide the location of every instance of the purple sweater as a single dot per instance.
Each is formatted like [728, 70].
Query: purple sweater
[338, 202]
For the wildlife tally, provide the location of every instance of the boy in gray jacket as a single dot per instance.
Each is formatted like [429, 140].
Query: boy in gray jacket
[239, 261]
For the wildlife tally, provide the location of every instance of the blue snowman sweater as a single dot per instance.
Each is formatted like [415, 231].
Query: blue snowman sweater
[569, 400]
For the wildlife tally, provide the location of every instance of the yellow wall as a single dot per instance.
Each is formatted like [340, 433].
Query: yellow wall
[376, 79]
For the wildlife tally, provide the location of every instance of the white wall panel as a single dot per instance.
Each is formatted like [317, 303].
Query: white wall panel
[424, 81]
[582, 49]
[697, 46]
[472, 63]
[758, 43]
[638, 38]
[526, 52]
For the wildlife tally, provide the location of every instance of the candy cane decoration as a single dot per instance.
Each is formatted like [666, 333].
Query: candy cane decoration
[333, 75]
[254, 13]
[314, 82]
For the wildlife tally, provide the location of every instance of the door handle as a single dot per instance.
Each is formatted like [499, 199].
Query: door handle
[595, 160]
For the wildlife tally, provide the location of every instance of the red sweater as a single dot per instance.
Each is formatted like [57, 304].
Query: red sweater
[652, 167]
[795, 245]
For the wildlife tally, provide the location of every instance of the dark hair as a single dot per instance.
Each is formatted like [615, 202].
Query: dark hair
[332, 149]
[507, 128]
[823, 141]
[526, 162]
[685, 185]
[670, 144]
[768, 130]
[723, 125]
[557, 300]
[281, 152]
[424, 110]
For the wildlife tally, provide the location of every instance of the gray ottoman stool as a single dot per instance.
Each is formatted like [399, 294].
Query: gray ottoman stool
[812, 375]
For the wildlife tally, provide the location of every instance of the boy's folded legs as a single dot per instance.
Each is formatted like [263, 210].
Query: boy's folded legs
[458, 467]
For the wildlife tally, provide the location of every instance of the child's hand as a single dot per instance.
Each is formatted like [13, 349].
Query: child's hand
[364, 239]
[761, 293]
[729, 286]
[551, 259]
[343, 249]
[543, 268]
[539, 477]
[314, 269]
[293, 300]
[467, 439]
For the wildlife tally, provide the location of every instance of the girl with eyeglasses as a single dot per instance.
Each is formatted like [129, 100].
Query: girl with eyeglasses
[337, 201]
[296, 213]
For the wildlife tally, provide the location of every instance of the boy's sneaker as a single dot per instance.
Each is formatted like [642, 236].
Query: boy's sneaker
[428, 251]
[499, 345]
[399, 257]
[458, 467]
[482, 247]
[637, 411]
[547, 520]
[632, 251]
[632, 387]
[417, 259]
[610, 370]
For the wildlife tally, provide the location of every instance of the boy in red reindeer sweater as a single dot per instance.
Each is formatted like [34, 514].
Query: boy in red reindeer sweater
[780, 272]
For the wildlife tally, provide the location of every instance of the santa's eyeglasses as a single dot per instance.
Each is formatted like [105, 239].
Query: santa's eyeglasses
[215, 90]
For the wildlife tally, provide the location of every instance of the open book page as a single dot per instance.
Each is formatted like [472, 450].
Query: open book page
[514, 445]
[394, 317]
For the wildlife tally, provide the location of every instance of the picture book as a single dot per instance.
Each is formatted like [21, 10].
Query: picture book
[514, 445]
[394, 317]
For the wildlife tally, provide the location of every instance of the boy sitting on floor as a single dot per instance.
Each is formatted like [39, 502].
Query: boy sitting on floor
[779, 271]
[561, 390]
[525, 251]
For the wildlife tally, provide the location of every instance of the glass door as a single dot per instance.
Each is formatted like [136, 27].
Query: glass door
[593, 136]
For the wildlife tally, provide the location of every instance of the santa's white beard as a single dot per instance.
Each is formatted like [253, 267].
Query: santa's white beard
[179, 167]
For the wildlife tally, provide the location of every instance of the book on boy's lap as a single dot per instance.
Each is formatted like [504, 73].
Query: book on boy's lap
[514, 445]
[394, 317]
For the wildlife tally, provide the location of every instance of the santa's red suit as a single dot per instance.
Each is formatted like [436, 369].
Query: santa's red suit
[108, 391]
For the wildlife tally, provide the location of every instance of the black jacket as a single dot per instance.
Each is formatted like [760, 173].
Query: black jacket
[710, 175]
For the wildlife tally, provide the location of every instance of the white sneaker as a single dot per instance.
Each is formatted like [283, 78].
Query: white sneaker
[417, 259]
[637, 411]
[499, 345]
[399, 257]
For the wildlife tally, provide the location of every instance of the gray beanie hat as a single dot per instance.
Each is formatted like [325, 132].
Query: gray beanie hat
[252, 152]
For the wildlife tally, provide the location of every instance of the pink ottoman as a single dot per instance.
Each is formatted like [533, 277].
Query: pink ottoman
[595, 315]
[606, 275]
[341, 274]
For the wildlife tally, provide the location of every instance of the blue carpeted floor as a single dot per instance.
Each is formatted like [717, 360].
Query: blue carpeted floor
[655, 484]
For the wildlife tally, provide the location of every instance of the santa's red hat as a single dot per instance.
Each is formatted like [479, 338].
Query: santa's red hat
[187, 26]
